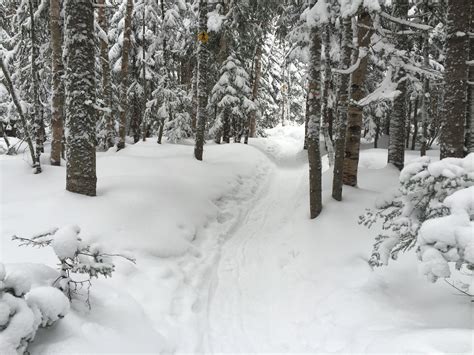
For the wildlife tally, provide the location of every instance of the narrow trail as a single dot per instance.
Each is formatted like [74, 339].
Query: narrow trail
[243, 309]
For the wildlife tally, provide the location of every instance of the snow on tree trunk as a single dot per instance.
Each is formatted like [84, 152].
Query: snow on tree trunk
[455, 78]
[124, 75]
[252, 125]
[326, 111]
[201, 83]
[341, 127]
[106, 81]
[470, 89]
[80, 98]
[415, 125]
[37, 118]
[23, 117]
[396, 145]
[425, 98]
[57, 87]
[314, 124]
[354, 117]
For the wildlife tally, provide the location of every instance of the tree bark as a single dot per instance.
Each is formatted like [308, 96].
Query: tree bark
[201, 83]
[252, 124]
[106, 82]
[7, 81]
[124, 75]
[354, 118]
[314, 124]
[37, 118]
[415, 125]
[57, 87]
[342, 108]
[396, 146]
[80, 97]
[455, 78]
[470, 89]
[326, 112]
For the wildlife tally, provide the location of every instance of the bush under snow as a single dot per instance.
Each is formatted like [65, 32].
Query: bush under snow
[23, 311]
[433, 208]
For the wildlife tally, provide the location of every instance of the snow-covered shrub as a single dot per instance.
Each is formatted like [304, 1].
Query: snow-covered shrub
[23, 311]
[76, 258]
[432, 209]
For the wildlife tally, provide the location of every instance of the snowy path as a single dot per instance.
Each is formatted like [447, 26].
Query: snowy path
[286, 284]
[251, 295]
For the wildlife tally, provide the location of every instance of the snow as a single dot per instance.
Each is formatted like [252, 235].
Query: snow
[18, 281]
[50, 302]
[227, 257]
[65, 242]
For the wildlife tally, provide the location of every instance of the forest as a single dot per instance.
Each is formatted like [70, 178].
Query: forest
[236, 176]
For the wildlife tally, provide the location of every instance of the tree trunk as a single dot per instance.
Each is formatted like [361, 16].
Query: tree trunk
[408, 123]
[144, 83]
[106, 82]
[37, 118]
[354, 118]
[327, 87]
[455, 78]
[343, 101]
[415, 125]
[201, 83]
[57, 87]
[314, 124]
[252, 124]
[470, 89]
[124, 75]
[7, 81]
[396, 146]
[80, 96]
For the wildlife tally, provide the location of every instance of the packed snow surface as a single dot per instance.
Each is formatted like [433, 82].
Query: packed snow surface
[227, 257]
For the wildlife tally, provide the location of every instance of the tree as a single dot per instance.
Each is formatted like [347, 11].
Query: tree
[470, 92]
[455, 77]
[124, 75]
[396, 147]
[57, 86]
[80, 98]
[109, 134]
[201, 80]
[314, 124]
[354, 117]
[343, 101]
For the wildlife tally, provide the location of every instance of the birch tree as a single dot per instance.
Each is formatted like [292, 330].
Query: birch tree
[80, 98]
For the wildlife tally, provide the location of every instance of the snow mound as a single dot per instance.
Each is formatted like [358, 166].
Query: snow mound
[51, 303]
[66, 242]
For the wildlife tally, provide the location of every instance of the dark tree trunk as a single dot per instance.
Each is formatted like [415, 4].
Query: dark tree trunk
[124, 75]
[415, 125]
[314, 124]
[354, 118]
[80, 96]
[346, 44]
[57, 87]
[201, 83]
[455, 78]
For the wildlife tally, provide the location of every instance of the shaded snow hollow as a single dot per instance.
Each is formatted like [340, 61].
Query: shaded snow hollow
[227, 258]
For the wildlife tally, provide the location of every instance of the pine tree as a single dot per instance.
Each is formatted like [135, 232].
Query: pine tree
[80, 97]
[354, 118]
[396, 148]
[57, 85]
[201, 80]
[455, 77]
[314, 123]
[343, 101]
[124, 75]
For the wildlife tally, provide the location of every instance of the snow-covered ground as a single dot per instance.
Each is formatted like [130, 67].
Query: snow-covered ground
[227, 257]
